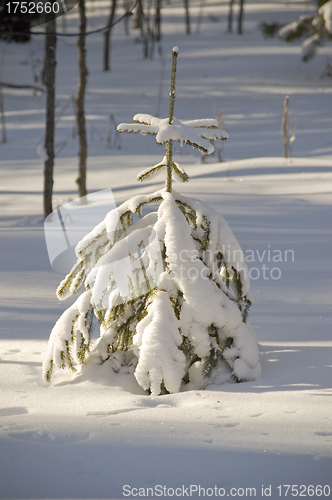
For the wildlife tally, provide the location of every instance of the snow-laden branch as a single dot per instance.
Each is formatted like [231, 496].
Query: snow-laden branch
[326, 11]
[178, 173]
[196, 133]
[310, 45]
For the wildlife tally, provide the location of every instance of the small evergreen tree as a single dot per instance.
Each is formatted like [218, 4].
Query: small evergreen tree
[170, 288]
[315, 30]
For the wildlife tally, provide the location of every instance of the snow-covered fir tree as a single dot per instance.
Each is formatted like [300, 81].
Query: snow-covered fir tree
[169, 286]
[315, 30]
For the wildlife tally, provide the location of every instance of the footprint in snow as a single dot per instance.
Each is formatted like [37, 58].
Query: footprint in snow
[323, 434]
[231, 424]
[45, 437]
[154, 403]
[13, 410]
[111, 412]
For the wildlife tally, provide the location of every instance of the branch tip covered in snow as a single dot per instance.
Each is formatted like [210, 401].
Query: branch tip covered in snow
[196, 133]
[326, 11]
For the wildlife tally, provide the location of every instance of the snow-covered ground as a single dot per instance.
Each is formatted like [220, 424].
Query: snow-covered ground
[90, 439]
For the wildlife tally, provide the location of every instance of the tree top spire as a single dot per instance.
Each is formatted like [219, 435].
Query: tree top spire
[196, 133]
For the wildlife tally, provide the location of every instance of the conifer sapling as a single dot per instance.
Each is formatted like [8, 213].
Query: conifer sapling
[169, 289]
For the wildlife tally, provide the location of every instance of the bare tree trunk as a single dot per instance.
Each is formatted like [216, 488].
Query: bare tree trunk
[186, 8]
[107, 37]
[157, 20]
[2, 106]
[126, 19]
[140, 22]
[79, 103]
[137, 16]
[240, 18]
[150, 30]
[49, 78]
[230, 17]
[3, 120]
[199, 17]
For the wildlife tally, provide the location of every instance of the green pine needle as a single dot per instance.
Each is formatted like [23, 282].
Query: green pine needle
[149, 172]
[48, 375]
[156, 200]
[126, 219]
[225, 274]
[213, 331]
[163, 389]
[65, 285]
[85, 253]
[63, 359]
[211, 362]
[180, 172]
[188, 212]
[236, 379]
[69, 357]
[269, 30]
[219, 259]
[237, 284]
[177, 304]
[245, 312]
